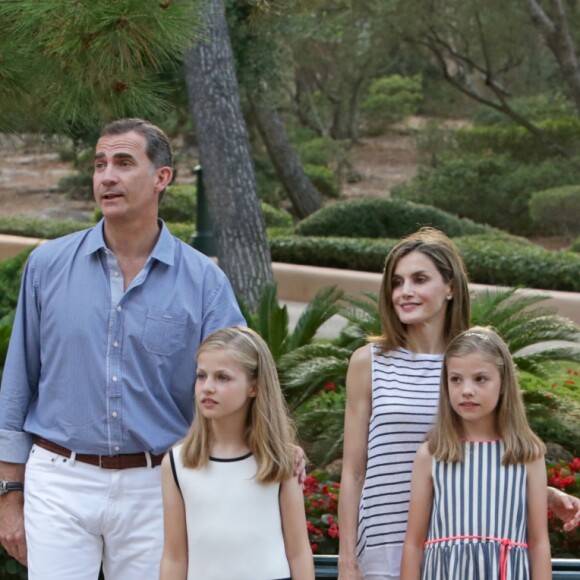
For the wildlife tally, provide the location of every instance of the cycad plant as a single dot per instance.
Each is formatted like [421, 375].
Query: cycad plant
[271, 322]
[534, 334]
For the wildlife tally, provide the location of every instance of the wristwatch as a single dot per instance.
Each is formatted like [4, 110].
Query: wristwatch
[6, 486]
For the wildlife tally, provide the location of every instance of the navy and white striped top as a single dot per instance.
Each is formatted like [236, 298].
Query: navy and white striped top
[478, 525]
[405, 391]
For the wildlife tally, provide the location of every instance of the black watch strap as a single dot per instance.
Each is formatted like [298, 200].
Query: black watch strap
[6, 486]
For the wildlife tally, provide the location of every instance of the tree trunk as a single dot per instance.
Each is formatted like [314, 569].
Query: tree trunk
[305, 198]
[224, 150]
[556, 33]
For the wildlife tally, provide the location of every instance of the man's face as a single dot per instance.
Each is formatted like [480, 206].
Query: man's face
[126, 185]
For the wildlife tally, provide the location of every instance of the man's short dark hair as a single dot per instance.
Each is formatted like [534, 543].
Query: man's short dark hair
[158, 148]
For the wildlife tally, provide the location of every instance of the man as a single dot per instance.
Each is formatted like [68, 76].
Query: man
[99, 376]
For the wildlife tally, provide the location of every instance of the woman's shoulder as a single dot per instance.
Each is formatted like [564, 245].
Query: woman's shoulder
[362, 355]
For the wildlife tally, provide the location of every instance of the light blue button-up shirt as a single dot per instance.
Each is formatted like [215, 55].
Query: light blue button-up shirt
[103, 370]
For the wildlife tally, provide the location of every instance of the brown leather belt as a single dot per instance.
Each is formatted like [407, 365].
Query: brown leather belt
[125, 461]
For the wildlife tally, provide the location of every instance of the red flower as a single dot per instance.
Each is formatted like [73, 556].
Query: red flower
[329, 386]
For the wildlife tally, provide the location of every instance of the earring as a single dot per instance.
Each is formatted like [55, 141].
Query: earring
[450, 297]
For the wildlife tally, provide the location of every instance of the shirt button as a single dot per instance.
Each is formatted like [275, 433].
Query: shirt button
[119, 308]
[114, 413]
[116, 344]
[115, 273]
[117, 448]
[114, 378]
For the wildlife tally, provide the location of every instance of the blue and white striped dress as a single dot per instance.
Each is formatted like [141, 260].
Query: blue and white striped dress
[479, 518]
[405, 392]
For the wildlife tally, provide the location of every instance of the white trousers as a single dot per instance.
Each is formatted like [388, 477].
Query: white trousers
[78, 515]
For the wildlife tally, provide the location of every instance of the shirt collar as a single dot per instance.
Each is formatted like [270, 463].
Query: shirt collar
[163, 250]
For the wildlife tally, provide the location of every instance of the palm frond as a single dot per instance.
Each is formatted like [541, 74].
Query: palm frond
[271, 321]
[539, 330]
[307, 378]
[309, 352]
[322, 308]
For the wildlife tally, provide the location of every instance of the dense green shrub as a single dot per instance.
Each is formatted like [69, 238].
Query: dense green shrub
[10, 274]
[518, 143]
[489, 259]
[178, 204]
[183, 231]
[324, 179]
[320, 150]
[536, 108]
[39, 228]
[382, 218]
[491, 189]
[363, 254]
[557, 210]
[276, 217]
[575, 245]
[390, 99]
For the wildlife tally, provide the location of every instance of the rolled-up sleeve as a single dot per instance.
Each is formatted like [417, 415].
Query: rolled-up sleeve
[21, 372]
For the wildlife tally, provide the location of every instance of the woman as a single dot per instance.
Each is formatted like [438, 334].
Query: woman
[392, 389]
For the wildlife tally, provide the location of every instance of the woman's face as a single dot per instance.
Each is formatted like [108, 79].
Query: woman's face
[419, 293]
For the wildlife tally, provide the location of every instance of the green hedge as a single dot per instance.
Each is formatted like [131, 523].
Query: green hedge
[518, 143]
[380, 218]
[557, 210]
[276, 217]
[489, 259]
[40, 228]
[492, 189]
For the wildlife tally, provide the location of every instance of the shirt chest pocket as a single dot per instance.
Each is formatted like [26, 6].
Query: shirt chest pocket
[163, 332]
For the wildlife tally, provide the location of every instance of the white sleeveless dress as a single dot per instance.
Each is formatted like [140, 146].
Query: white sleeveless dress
[234, 526]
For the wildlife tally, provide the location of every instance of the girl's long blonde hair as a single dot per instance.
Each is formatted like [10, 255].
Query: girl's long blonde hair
[444, 254]
[270, 433]
[521, 444]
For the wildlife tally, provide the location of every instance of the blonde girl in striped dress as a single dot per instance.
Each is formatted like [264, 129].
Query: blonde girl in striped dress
[478, 503]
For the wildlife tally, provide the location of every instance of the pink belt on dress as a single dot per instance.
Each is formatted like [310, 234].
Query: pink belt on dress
[506, 546]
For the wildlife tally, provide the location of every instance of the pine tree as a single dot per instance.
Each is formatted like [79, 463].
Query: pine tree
[72, 65]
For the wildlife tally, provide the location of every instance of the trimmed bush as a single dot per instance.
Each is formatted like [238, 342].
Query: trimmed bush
[493, 190]
[178, 204]
[10, 275]
[557, 210]
[382, 218]
[391, 99]
[518, 143]
[40, 228]
[489, 259]
[276, 217]
[324, 179]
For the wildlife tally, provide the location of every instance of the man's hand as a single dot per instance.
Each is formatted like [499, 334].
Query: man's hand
[300, 469]
[566, 507]
[12, 525]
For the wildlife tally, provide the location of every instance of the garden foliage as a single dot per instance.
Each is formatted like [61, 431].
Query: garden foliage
[518, 143]
[391, 99]
[489, 189]
[383, 218]
[490, 259]
[557, 210]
